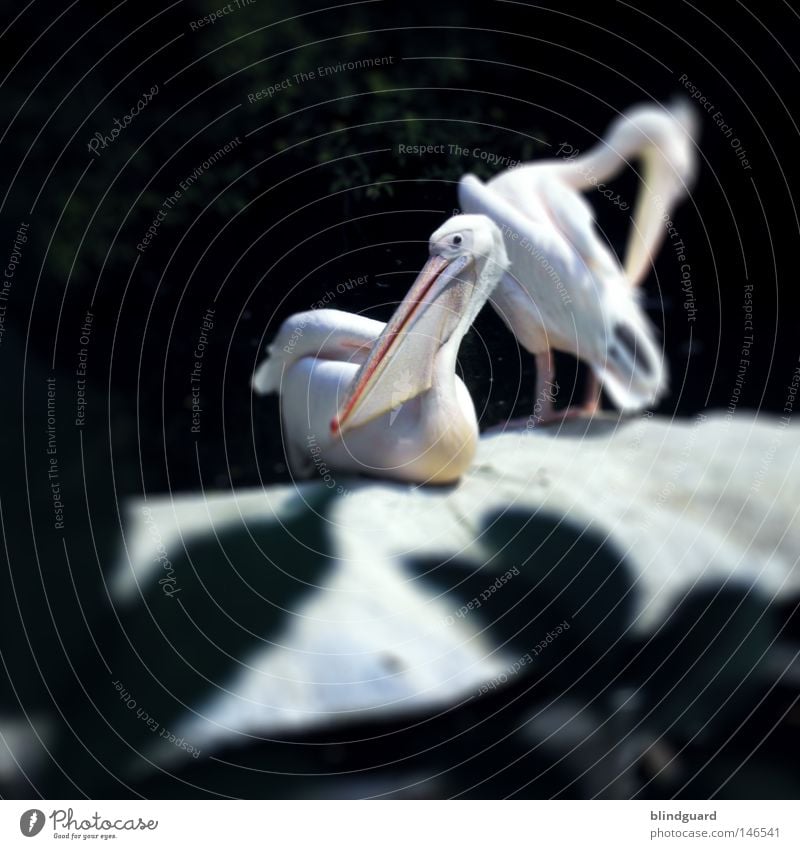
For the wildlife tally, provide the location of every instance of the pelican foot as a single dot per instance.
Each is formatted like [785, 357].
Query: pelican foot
[577, 411]
[512, 425]
[535, 420]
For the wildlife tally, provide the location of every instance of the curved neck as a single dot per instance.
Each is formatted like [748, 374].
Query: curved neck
[606, 159]
[447, 418]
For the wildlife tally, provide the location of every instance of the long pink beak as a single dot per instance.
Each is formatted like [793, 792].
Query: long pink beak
[417, 299]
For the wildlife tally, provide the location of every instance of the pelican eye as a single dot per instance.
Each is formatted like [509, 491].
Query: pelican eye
[457, 239]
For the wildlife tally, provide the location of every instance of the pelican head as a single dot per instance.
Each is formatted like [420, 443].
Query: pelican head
[467, 257]
[470, 253]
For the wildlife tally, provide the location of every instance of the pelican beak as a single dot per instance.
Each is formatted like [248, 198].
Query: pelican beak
[409, 356]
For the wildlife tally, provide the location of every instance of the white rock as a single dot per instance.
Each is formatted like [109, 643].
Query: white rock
[713, 499]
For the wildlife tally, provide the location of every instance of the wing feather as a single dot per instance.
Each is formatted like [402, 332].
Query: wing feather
[322, 334]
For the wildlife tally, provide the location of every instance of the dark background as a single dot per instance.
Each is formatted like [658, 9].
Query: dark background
[316, 195]
[303, 203]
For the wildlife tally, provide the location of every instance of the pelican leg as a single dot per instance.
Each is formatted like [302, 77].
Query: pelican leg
[546, 392]
[592, 400]
[546, 389]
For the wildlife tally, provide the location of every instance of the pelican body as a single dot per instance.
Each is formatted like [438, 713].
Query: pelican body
[565, 289]
[358, 395]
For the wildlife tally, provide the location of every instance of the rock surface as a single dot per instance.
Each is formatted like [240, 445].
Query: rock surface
[688, 503]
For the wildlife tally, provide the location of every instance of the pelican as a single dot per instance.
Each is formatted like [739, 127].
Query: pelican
[358, 395]
[565, 289]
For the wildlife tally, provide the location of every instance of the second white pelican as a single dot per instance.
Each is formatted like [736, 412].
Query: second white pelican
[566, 290]
[384, 399]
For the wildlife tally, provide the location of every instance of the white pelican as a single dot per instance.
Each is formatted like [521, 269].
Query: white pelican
[565, 289]
[358, 395]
